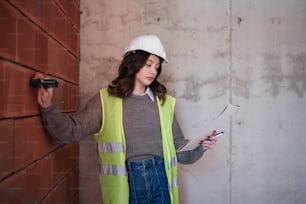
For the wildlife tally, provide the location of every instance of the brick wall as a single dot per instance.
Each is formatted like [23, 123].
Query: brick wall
[37, 36]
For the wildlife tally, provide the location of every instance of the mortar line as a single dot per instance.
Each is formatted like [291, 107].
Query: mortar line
[34, 69]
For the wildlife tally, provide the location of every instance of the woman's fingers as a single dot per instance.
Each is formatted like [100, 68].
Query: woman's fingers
[44, 95]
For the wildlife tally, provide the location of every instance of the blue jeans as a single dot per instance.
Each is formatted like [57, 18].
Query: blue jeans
[148, 182]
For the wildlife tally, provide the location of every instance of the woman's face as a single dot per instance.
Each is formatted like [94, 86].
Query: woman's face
[146, 75]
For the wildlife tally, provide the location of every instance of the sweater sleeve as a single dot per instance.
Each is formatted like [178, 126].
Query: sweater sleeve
[68, 128]
[185, 157]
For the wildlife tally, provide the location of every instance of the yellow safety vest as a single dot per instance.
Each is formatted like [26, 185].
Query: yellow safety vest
[112, 150]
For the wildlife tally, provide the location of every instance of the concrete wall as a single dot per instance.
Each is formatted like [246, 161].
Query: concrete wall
[251, 53]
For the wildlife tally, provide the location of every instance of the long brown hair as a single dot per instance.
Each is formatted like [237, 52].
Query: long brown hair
[123, 84]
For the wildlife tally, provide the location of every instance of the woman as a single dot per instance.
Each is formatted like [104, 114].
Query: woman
[135, 129]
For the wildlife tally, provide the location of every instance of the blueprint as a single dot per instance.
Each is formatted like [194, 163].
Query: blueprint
[218, 124]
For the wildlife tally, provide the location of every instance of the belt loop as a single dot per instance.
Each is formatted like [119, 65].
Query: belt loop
[154, 160]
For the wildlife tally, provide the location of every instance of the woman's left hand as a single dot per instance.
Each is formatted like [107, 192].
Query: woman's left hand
[210, 142]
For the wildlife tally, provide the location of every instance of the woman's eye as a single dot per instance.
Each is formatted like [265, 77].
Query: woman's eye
[149, 65]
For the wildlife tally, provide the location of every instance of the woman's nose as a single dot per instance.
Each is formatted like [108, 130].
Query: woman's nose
[153, 70]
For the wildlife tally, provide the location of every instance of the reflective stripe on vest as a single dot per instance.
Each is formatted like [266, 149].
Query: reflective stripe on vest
[114, 170]
[174, 183]
[110, 147]
[173, 162]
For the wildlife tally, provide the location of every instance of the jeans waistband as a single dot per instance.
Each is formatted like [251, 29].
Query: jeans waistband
[145, 163]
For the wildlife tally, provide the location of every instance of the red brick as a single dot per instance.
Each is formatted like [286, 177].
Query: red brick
[13, 189]
[64, 161]
[72, 27]
[62, 30]
[71, 9]
[29, 185]
[61, 63]
[31, 141]
[6, 147]
[68, 100]
[74, 12]
[50, 14]
[76, 69]
[74, 42]
[31, 8]
[66, 190]
[59, 193]
[78, 2]
[55, 22]
[37, 34]
[76, 15]
[68, 24]
[26, 42]
[36, 181]
[41, 54]
[72, 68]
[8, 18]
[44, 201]
[17, 98]
[75, 199]
[72, 183]
[57, 59]
[40, 177]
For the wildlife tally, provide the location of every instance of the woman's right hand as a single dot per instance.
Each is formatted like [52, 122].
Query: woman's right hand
[44, 96]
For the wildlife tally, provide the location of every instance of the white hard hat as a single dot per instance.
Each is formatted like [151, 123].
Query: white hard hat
[148, 43]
